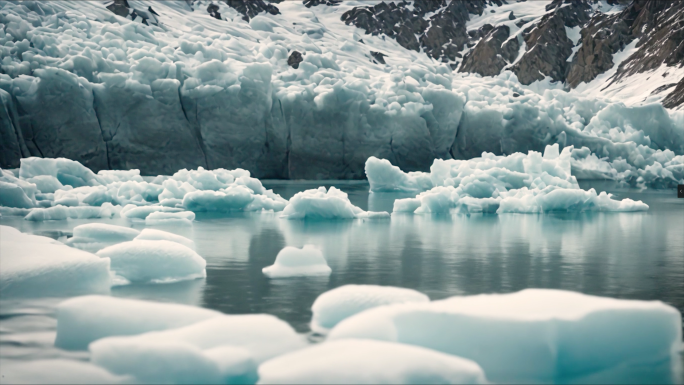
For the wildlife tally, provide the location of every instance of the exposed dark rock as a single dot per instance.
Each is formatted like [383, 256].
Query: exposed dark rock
[441, 36]
[491, 55]
[660, 27]
[548, 46]
[294, 59]
[251, 8]
[119, 7]
[313, 3]
[379, 56]
[511, 16]
[213, 10]
[676, 97]
[663, 88]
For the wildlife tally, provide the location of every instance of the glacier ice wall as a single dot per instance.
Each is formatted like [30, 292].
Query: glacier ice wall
[79, 82]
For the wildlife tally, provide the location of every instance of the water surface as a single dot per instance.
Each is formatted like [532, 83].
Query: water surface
[622, 255]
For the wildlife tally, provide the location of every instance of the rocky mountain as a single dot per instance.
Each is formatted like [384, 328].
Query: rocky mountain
[311, 88]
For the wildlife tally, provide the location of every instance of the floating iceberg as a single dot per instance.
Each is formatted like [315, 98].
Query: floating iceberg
[166, 218]
[355, 361]
[40, 266]
[343, 302]
[295, 262]
[82, 320]
[56, 371]
[66, 189]
[64, 212]
[158, 235]
[321, 204]
[154, 261]
[516, 183]
[105, 233]
[172, 362]
[531, 335]
[226, 346]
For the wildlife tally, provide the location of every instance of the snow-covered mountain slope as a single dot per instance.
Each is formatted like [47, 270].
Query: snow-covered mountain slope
[299, 89]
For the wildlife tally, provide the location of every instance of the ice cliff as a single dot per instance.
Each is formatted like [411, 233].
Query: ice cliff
[299, 90]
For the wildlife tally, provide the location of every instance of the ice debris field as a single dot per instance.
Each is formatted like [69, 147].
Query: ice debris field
[371, 335]
[57, 189]
[222, 95]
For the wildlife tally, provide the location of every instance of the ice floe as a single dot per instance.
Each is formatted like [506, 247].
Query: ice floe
[296, 262]
[95, 236]
[39, 266]
[82, 320]
[154, 261]
[321, 204]
[337, 304]
[531, 335]
[355, 361]
[227, 348]
[156, 235]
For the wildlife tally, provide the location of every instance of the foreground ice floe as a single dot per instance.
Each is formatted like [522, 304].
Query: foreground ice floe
[95, 236]
[82, 320]
[542, 335]
[354, 361]
[295, 262]
[335, 305]
[39, 266]
[154, 261]
[224, 349]
[517, 183]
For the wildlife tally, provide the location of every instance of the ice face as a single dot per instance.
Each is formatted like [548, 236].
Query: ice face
[202, 92]
[82, 320]
[354, 361]
[144, 261]
[534, 334]
[295, 262]
[39, 266]
[335, 305]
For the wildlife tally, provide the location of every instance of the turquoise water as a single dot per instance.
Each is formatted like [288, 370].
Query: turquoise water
[621, 255]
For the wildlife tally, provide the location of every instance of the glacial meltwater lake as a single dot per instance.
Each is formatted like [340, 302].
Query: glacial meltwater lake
[623, 255]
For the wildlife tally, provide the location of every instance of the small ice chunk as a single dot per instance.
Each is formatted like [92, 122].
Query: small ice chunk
[295, 262]
[56, 371]
[532, 335]
[95, 236]
[105, 232]
[154, 261]
[83, 320]
[165, 218]
[40, 266]
[12, 195]
[337, 304]
[262, 335]
[375, 215]
[321, 204]
[156, 235]
[62, 212]
[355, 361]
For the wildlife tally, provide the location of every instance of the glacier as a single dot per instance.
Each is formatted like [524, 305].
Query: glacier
[193, 91]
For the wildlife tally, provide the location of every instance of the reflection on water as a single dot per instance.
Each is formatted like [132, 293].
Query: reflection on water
[623, 255]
